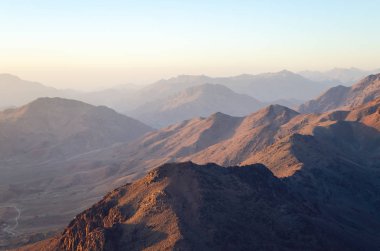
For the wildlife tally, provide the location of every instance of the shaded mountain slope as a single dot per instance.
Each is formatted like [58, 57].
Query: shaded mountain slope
[189, 207]
[202, 100]
[342, 97]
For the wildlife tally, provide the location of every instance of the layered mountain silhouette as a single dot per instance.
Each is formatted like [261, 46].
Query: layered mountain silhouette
[345, 76]
[324, 148]
[341, 97]
[16, 92]
[51, 128]
[324, 164]
[190, 207]
[282, 87]
[197, 101]
[266, 87]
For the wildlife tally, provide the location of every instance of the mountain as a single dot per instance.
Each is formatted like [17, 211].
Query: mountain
[38, 136]
[51, 128]
[15, 91]
[324, 191]
[185, 206]
[266, 87]
[291, 103]
[275, 86]
[120, 98]
[50, 193]
[330, 151]
[198, 101]
[228, 140]
[254, 132]
[336, 136]
[282, 88]
[342, 97]
[345, 76]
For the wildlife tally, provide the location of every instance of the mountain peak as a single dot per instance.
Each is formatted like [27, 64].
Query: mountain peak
[219, 117]
[56, 101]
[286, 72]
[275, 110]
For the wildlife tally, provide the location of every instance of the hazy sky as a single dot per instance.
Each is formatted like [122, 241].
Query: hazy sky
[92, 43]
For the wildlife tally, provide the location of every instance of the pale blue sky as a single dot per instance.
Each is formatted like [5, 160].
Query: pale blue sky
[95, 43]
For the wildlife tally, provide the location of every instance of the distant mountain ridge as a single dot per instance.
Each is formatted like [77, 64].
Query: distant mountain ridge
[282, 87]
[342, 97]
[15, 91]
[346, 76]
[56, 128]
[202, 100]
[265, 87]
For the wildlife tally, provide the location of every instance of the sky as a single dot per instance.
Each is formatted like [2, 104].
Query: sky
[90, 44]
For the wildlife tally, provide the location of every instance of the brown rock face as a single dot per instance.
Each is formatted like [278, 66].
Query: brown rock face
[190, 207]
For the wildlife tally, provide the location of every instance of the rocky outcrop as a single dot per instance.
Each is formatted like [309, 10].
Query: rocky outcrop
[190, 207]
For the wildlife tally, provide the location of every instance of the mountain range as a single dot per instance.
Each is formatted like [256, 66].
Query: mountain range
[281, 87]
[345, 76]
[185, 206]
[320, 170]
[16, 92]
[328, 197]
[266, 87]
[201, 100]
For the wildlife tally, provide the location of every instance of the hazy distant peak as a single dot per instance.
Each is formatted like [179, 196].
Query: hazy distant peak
[283, 73]
[56, 102]
[286, 72]
[346, 76]
[7, 76]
